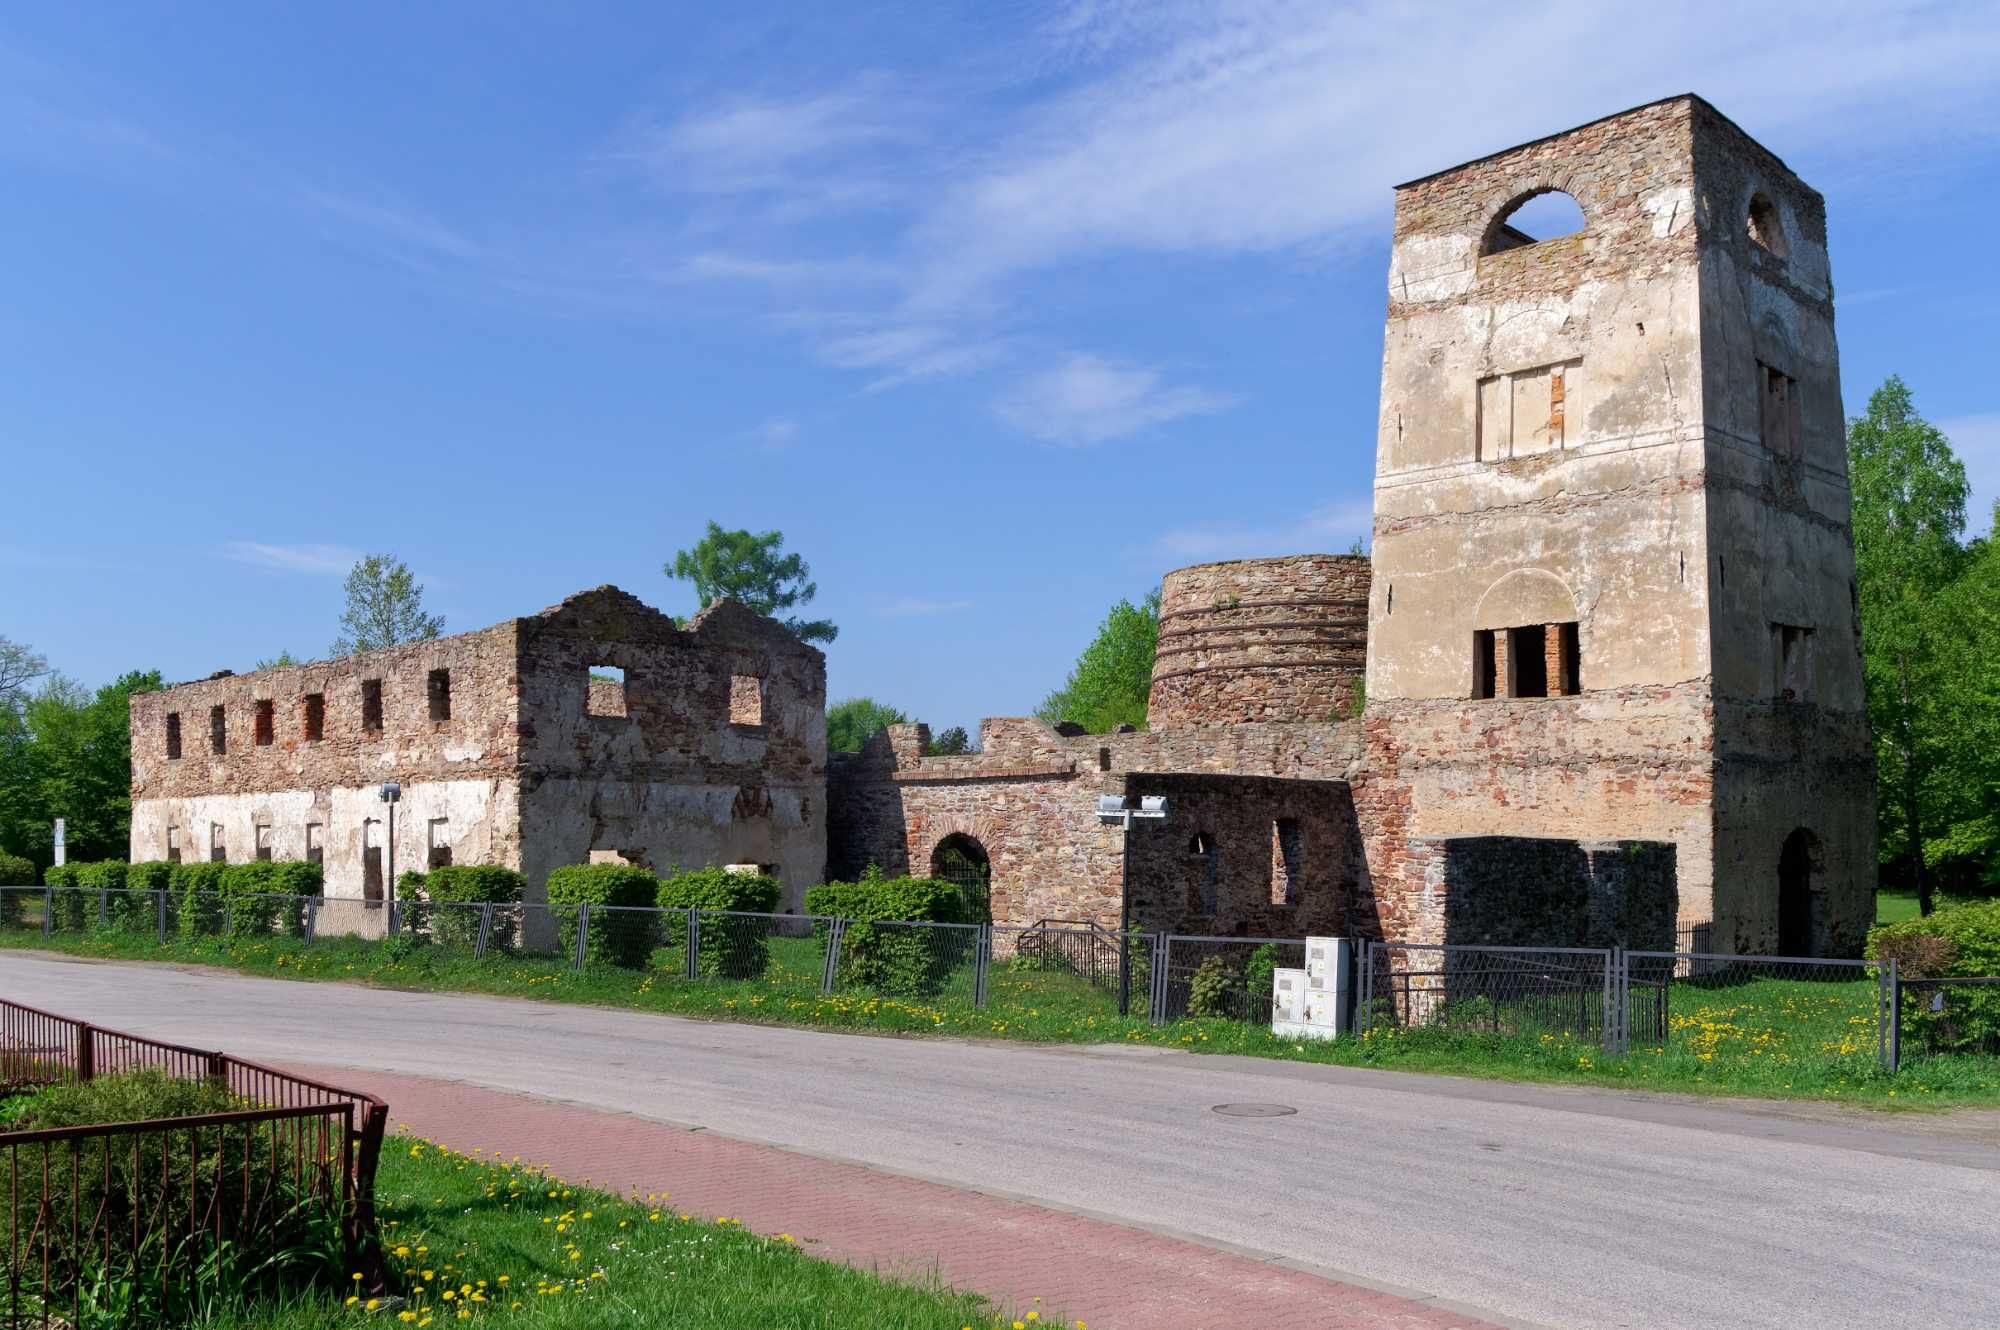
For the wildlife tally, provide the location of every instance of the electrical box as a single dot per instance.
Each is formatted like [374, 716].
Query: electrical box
[1288, 995]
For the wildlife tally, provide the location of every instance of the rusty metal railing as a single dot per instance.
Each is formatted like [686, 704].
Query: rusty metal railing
[158, 1197]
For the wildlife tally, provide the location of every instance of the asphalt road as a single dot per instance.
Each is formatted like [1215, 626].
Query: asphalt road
[1553, 1207]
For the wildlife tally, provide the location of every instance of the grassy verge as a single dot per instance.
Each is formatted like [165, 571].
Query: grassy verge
[470, 1240]
[1764, 1038]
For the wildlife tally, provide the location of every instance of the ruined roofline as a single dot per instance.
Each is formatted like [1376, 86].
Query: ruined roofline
[1692, 98]
[1276, 558]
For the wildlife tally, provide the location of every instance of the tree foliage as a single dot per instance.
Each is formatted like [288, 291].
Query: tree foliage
[67, 753]
[950, 743]
[852, 722]
[751, 569]
[283, 660]
[1112, 677]
[1930, 617]
[385, 607]
[19, 667]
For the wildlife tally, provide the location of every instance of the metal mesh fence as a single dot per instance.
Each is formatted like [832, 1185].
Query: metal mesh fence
[1497, 991]
[1940, 1016]
[1227, 978]
[1785, 1010]
[924, 962]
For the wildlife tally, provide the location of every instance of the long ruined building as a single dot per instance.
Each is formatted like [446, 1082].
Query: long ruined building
[1601, 675]
[596, 729]
[1608, 632]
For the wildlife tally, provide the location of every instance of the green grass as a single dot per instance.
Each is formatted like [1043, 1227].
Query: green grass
[1894, 907]
[1765, 1038]
[508, 1245]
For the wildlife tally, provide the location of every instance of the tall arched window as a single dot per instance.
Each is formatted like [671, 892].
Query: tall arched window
[1204, 872]
[1541, 214]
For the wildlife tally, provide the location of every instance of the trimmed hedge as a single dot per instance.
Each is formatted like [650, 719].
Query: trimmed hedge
[1954, 940]
[69, 909]
[14, 872]
[730, 948]
[197, 889]
[897, 962]
[618, 939]
[254, 893]
[464, 885]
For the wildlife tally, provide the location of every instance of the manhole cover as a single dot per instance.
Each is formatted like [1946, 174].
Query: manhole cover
[1255, 1110]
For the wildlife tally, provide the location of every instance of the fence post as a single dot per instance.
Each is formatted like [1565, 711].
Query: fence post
[103, 906]
[485, 931]
[582, 934]
[694, 943]
[48, 910]
[161, 903]
[982, 960]
[86, 1052]
[1607, 1026]
[1889, 1043]
[835, 928]
[1156, 986]
[312, 919]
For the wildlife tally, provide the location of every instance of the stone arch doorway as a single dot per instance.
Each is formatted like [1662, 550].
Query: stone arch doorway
[1799, 865]
[962, 861]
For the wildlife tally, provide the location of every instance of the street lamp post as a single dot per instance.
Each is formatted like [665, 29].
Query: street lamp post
[1118, 810]
[389, 792]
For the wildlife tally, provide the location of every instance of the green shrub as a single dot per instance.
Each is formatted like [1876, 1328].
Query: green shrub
[255, 894]
[70, 910]
[615, 938]
[197, 889]
[1259, 972]
[731, 948]
[14, 872]
[896, 962]
[149, 875]
[1215, 990]
[115, 911]
[1954, 940]
[464, 886]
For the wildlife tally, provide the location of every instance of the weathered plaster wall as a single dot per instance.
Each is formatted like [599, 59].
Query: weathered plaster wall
[1261, 640]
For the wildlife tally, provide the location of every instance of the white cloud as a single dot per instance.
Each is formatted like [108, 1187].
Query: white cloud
[1976, 440]
[1088, 399]
[907, 607]
[1330, 529]
[404, 230]
[319, 559]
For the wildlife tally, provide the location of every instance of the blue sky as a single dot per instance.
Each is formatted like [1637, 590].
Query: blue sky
[998, 311]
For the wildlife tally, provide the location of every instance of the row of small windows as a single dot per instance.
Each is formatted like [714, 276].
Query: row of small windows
[1542, 660]
[312, 716]
[437, 848]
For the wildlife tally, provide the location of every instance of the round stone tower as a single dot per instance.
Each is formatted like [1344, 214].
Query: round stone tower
[1261, 640]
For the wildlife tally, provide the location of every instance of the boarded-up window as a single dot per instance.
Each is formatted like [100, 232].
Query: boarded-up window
[173, 736]
[265, 843]
[218, 731]
[315, 843]
[1780, 415]
[371, 705]
[746, 699]
[263, 723]
[440, 695]
[1288, 864]
[312, 716]
[1526, 412]
[440, 843]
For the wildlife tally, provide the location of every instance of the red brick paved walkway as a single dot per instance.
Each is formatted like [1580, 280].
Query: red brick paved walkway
[1107, 1275]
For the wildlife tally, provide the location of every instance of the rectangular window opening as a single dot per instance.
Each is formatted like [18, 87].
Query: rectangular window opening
[264, 843]
[173, 736]
[1527, 661]
[173, 845]
[312, 716]
[1565, 661]
[371, 863]
[440, 695]
[218, 731]
[440, 843]
[218, 849]
[1287, 861]
[1792, 657]
[1483, 659]
[371, 705]
[263, 724]
[315, 843]
[604, 691]
[1780, 413]
[746, 699]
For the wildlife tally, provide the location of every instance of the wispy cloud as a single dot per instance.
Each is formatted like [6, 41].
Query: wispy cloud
[321, 560]
[1332, 528]
[910, 607]
[1087, 399]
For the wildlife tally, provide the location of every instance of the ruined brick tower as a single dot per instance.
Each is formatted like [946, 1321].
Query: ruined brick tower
[1613, 570]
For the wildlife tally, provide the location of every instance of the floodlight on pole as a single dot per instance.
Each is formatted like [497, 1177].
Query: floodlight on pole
[389, 792]
[1118, 810]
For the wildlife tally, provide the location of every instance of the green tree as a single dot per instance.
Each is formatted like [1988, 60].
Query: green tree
[1960, 791]
[852, 722]
[19, 667]
[751, 569]
[385, 607]
[283, 660]
[1909, 495]
[67, 754]
[1112, 677]
[950, 743]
